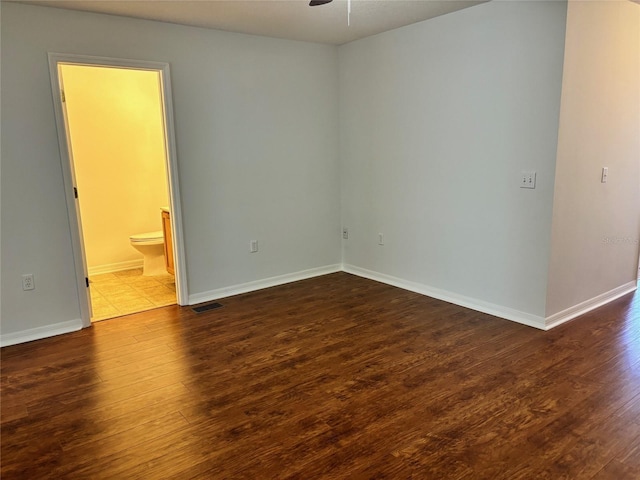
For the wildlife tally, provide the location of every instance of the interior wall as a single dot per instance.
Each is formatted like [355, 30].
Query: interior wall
[596, 225]
[439, 119]
[256, 137]
[117, 136]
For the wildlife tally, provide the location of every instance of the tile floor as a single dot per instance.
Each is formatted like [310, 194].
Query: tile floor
[121, 293]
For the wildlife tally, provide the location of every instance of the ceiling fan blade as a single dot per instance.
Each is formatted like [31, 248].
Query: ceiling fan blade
[315, 3]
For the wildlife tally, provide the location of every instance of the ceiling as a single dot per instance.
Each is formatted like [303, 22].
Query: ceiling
[291, 19]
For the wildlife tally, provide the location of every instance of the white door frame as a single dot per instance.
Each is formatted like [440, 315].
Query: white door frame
[66, 158]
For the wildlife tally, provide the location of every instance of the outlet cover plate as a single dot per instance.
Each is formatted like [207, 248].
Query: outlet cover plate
[27, 282]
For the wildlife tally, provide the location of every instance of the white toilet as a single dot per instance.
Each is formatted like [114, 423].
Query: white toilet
[151, 246]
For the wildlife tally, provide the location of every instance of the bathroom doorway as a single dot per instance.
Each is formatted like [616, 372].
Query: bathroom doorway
[122, 168]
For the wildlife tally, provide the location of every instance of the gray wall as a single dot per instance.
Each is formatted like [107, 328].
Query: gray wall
[438, 119]
[419, 133]
[257, 143]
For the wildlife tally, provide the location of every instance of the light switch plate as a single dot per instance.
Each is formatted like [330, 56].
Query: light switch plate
[528, 180]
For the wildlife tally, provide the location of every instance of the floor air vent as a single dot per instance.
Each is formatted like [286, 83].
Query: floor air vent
[206, 308]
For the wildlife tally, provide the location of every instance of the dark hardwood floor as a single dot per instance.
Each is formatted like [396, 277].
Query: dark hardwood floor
[335, 377]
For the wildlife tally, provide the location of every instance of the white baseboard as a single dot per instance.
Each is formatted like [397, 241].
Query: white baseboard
[588, 305]
[260, 284]
[115, 267]
[472, 303]
[38, 333]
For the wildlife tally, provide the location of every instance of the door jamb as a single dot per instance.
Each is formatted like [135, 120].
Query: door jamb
[77, 243]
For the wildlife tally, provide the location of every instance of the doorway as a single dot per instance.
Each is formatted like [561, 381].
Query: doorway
[116, 139]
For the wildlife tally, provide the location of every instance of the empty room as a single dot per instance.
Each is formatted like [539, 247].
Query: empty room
[378, 239]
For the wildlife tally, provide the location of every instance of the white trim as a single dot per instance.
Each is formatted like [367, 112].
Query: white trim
[260, 284]
[40, 332]
[588, 305]
[77, 245]
[468, 302]
[177, 232]
[116, 267]
[172, 170]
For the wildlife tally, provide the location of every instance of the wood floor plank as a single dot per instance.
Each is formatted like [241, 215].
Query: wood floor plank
[629, 454]
[333, 377]
[100, 454]
[616, 470]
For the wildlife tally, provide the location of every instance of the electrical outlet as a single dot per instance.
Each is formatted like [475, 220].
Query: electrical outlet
[605, 174]
[27, 282]
[528, 180]
[253, 246]
[345, 233]
[380, 239]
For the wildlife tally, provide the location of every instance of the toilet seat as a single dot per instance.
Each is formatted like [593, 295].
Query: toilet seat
[149, 238]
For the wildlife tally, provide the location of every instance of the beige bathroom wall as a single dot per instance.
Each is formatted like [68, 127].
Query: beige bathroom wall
[117, 137]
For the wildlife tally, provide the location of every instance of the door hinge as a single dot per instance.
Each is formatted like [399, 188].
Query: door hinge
[75, 192]
[86, 279]
[63, 96]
